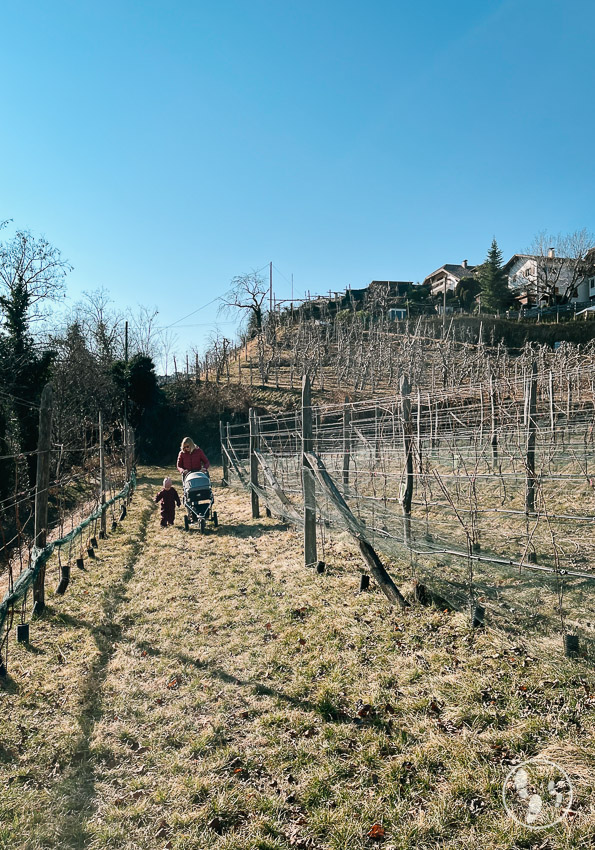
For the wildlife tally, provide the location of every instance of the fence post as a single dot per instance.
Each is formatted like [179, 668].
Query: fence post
[530, 410]
[102, 520]
[41, 490]
[308, 483]
[420, 462]
[407, 447]
[224, 460]
[551, 398]
[254, 447]
[346, 445]
[130, 452]
[228, 447]
[494, 433]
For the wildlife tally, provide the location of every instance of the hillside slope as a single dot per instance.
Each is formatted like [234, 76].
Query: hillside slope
[200, 691]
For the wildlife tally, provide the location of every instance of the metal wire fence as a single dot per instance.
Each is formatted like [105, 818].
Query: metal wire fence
[502, 505]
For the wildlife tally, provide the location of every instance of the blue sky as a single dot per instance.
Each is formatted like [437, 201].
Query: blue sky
[166, 147]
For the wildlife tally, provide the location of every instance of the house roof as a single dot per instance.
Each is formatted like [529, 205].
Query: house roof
[453, 269]
[555, 260]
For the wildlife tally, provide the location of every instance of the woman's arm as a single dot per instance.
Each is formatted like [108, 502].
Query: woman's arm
[180, 464]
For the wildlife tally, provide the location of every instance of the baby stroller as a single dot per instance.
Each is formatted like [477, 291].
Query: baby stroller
[198, 501]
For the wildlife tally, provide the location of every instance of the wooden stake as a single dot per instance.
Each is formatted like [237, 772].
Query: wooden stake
[103, 519]
[224, 459]
[407, 493]
[254, 446]
[530, 410]
[346, 444]
[308, 485]
[385, 582]
[41, 490]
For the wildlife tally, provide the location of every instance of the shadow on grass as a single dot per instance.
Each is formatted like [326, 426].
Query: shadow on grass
[243, 530]
[322, 709]
[75, 792]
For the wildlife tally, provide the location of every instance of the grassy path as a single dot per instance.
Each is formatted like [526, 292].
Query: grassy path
[206, 691]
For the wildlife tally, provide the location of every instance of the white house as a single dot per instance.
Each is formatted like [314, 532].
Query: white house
[540, 280]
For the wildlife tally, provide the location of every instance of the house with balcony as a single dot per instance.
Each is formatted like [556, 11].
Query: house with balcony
[447, 277]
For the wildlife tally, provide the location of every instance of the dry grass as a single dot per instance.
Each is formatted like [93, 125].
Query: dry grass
[207, 691]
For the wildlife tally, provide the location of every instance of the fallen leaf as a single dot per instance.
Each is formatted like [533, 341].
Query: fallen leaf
[376, 833]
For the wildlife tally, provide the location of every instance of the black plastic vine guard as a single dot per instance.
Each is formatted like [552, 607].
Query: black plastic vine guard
[114, 524]
[571, 646]
[479, 613]
[80, 562]
[123, 513]
[91, 552]
[94, 542]
[23, 633]
[64, 579]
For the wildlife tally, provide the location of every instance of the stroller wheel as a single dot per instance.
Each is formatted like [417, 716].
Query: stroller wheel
[203, 525]
[186, 522]
[215, 519]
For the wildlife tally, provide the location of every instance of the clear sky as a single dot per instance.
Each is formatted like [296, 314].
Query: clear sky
[165, 147]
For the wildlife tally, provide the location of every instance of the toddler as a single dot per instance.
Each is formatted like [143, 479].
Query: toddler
[169, 499]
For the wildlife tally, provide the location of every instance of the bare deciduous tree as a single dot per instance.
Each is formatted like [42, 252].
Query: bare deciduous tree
[31, 271]
[247, 294]
[562, 262]
[101, 324]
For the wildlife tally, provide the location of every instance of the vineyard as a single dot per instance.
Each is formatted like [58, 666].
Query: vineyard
[480, 485]
[250, 687]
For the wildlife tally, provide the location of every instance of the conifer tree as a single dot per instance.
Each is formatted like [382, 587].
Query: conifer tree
[495, 293]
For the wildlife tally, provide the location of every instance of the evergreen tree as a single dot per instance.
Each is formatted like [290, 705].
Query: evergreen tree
[495, 293]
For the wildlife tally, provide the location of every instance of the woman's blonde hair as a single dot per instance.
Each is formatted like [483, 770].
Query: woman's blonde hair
[187, 441]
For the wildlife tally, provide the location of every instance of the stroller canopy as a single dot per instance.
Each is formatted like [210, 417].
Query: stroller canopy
[197, 481]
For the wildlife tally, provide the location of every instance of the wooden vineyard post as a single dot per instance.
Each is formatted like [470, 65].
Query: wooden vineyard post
[41, 491]
[228, 450]
[346, 444]
[494, 433]
[354, 527]
[102, 520]
[407, 493]
[420, 463]
[224, 458]
[552, 416]
[254, 447]
[530, 410]
[308, 483]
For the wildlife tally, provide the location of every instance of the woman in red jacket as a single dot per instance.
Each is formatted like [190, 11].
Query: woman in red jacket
[191, 458]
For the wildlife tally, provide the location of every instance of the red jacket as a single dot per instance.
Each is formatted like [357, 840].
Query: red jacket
[192, 461]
